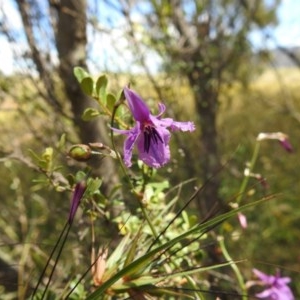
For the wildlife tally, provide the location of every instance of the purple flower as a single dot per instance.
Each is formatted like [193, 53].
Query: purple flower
[281, 137]
[150, 133]
[276, 286]
[77, 195]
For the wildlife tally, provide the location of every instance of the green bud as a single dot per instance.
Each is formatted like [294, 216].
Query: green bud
[80, 152]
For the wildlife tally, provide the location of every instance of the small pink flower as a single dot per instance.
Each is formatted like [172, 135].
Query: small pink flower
[243, 220]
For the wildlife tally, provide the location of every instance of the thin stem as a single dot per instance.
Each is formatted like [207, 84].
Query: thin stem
[246, 177]
[109, 113]
[148, 221]
[49, 260]
[57, 259]
[238, 200]
[235, 268]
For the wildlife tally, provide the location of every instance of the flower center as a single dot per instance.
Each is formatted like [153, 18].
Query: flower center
[151, 135]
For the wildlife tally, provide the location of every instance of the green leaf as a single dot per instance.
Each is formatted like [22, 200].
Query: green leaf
[45, 161]
[79, 176]
[101, 85]
[121, 111]
[111, 100]
[118, 252]
[87, 85]
[133, 249]
[48, 154]
[150, 280]
[94, 185]
[80, 73]
[34, 156]
[62, 142]
[89, 114]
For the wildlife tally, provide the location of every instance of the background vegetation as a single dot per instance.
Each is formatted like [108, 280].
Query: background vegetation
[40, 118]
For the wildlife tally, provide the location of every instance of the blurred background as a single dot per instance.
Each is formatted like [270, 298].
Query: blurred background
[231, 66]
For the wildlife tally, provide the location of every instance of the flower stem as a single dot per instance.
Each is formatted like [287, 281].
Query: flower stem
[128, 178]
[246, 177]
[238, 200]
[155, 235]
[234, 267]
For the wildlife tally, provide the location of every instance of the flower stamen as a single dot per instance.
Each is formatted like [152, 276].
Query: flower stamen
[150, 133]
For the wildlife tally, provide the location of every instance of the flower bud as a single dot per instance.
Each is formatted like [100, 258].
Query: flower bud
[98, 266]
[80, 152]
[281, 137]
[78, 193]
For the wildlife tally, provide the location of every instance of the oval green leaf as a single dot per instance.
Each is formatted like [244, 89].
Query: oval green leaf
[87, 85]
[101, 85]
[80, 73]
[111, 100]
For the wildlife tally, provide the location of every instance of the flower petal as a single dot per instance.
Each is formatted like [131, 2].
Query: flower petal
[283, 280]
[284, 293]
[285, 143]
[159, 152]
[161, 109]
[121, 131]
[139, 109]
[183, 126]
[272, 293]
[174, 125]
[132, 136]
[265, 294]
[276, 287]
[266, 279]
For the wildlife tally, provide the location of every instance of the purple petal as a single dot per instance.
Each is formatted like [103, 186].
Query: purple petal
[284, 293]
[77, 196]
[276, 286]
[283, 281]
[132, 136]
[121, 131]
[137, 106]
[276, 294]
[266, 279]
[161, 109]
[285, 143]
[159, 152]
[265, 294]
[183, 126]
